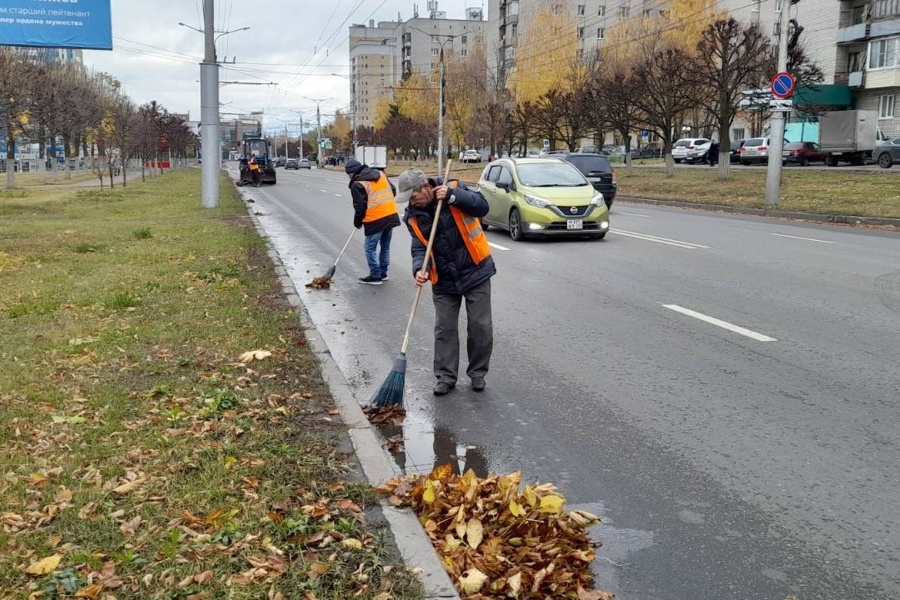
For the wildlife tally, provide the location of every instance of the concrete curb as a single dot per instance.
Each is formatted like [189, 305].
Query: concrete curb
[414, 546]
[764, 212]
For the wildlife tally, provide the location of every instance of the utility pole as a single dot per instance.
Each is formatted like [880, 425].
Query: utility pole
[776, 132]
[286, 153]
[209, 112]
[318, 128]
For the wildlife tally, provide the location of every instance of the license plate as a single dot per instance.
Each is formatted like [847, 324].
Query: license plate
[837, 153]
[574, 224]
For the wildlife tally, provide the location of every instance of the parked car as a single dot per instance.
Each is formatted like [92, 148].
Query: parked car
[596, 168]
[756, 150]
[690, 150]
[305, 164]
[291, 163]
[647, 152]
[471, 156]
[887, 153]
[281, 161]
[532, 197]
[736, 149]
[802, 153]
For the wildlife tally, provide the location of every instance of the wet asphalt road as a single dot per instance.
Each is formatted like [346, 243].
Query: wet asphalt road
[754, 456]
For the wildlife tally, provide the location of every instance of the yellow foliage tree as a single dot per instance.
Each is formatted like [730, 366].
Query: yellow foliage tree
[546, 53]
[417, 98]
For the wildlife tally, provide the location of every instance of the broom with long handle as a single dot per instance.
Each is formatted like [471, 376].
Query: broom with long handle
[391, 391]
[324, 281]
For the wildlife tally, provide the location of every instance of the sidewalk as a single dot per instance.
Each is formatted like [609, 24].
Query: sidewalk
[409, 537]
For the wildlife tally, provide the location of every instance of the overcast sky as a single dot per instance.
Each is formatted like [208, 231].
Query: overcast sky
[294, 43]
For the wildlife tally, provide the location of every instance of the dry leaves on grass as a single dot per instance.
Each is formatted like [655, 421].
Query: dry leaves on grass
[249, 357]
[497, 541]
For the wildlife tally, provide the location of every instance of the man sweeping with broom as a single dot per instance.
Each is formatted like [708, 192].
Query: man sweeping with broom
[461, 268]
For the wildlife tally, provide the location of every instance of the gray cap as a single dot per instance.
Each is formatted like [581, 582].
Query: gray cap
[408, 181]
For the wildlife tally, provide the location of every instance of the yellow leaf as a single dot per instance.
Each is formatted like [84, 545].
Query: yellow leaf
[352, 543]
[44, 566]
[248, 357]
[129, 486]
[429, 496]
[474, 533]
[472, 581]
[229, 460]
[451, 544]
[515, 583]
[530, 496]
[91, 591]
[551, 504]
[515, 509]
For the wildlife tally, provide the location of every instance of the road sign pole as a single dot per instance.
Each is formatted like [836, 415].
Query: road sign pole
[776, 132]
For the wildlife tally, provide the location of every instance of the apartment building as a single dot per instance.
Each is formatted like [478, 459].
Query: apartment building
[868, 57]
[382, 55]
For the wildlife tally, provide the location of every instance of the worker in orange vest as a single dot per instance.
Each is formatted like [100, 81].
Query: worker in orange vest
[376, 210]
[461, 268]
[255, 175]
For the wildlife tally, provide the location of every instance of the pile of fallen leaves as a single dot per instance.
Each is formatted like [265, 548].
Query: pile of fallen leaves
[320, 283]
[497, 541]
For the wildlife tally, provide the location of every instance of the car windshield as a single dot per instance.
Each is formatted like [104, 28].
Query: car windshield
[590, 164]
[550, 174]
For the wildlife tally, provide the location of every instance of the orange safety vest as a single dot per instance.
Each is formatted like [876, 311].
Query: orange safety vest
[381, 202]
[254, 166]
[472, 234]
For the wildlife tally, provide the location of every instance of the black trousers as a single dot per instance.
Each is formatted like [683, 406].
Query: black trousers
[479, 333]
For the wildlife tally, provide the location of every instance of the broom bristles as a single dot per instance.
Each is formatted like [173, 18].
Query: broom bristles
[391, 391]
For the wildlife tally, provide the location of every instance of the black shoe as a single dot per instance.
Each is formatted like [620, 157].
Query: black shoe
[442, 388]
[478, 384]
[384, 277]
[370, 280]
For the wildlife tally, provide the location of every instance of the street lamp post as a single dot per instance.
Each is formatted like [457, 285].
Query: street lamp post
[318, 128]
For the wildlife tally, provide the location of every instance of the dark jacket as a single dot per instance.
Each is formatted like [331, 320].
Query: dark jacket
[457, 273]
[361, 200]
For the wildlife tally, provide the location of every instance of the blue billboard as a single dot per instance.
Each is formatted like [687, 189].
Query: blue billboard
[56, 23]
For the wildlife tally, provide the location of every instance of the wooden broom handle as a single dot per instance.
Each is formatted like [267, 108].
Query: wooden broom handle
[434, 224]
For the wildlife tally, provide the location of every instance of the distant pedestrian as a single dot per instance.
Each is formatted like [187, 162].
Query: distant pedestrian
[375, 208]
[462, 268]
[713, 154]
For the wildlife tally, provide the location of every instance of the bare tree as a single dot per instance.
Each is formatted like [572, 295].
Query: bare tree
[612, 98]
[668, 76]
[733, 58]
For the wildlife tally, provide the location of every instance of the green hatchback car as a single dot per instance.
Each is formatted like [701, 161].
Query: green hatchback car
[531, 197]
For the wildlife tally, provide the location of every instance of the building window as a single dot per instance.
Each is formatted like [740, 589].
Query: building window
[462, 52]
[600, 33]
[858, 15]
[883, 53]
[465, 39]
[853, 62]
[581, 10]
[886, 107]
[623, 12]
[738, 133]
[601, 11]
[435, 51]
[647, 12]
[581, 33]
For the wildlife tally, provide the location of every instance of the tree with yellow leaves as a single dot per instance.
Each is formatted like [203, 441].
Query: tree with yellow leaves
[546, 54]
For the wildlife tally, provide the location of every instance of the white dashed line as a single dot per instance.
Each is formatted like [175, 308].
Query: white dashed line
[338, 195]
[719, 323]
[794, 237]
[659, 240]
[498, 246]
[621, 212]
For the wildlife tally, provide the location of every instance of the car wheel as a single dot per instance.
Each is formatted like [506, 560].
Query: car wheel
[515, 226]
[804, 162]
[677, 160]
[746, 163]
[885, 161]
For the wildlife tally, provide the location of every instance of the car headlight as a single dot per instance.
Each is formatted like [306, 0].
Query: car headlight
[597, 200]
[535, 201]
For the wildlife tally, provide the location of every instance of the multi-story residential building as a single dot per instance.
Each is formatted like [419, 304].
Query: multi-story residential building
[382, 55]
[868, 59]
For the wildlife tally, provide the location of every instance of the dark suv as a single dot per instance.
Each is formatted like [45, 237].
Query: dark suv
[596, 168]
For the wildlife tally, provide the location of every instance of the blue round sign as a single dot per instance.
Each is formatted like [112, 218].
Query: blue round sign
[783, 85]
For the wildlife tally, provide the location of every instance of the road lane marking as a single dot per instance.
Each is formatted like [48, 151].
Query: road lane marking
[338, 195]
[794, 237]
[498, 246]
[659, 240]
[321, 190]
[622, 212]
[719, 323]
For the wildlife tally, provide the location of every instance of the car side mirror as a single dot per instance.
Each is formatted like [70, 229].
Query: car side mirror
[503, 186]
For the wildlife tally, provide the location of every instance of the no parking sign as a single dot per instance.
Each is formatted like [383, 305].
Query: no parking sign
[783, 85]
